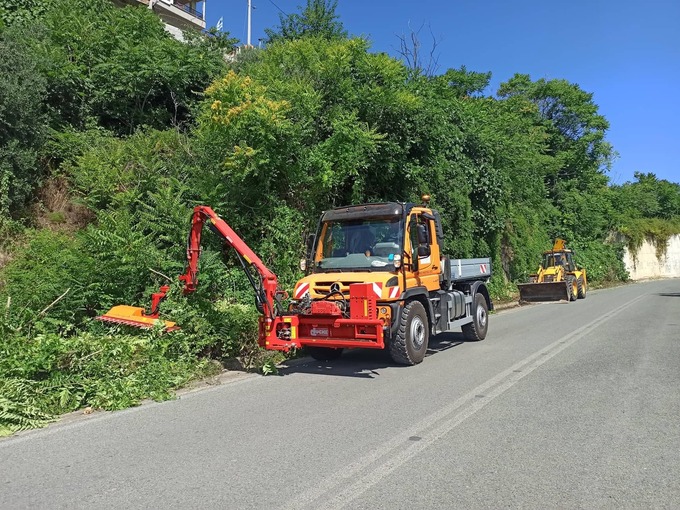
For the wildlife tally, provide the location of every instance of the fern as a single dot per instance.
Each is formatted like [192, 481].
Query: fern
[17, 412]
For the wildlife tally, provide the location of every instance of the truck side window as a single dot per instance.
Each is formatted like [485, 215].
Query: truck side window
[424, 237]
[419, 232]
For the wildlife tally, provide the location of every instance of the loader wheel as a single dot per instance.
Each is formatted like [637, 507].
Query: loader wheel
[476, 330]
[581, 285]
[324, 353]
[572, 289]
[409, 345]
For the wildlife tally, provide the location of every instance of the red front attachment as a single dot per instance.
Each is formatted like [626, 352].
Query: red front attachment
[326, 327]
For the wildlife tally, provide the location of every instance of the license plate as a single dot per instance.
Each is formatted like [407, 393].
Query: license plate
[319, 332]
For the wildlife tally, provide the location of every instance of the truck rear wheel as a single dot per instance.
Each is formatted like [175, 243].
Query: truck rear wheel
[409, 345]
[476, 330]
[581, 285]
[323, 353]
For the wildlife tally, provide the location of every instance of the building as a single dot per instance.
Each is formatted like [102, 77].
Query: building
[178, 15]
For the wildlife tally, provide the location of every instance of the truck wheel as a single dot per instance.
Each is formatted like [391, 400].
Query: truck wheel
[572, 289]
[476, 330]
[409, 345]
[323, 353]
[581, 285]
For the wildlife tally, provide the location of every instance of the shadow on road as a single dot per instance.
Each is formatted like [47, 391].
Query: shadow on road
[669, 294]
[365, 363]
[444, 342]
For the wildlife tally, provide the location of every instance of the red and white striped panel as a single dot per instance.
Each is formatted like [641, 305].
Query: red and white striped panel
[482, 268]
[302, 289]
[377, 290]
[394, 292]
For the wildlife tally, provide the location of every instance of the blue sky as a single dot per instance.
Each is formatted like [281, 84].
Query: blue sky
[626, 52]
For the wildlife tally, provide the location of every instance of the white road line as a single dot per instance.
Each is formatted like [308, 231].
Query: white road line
[400, 449]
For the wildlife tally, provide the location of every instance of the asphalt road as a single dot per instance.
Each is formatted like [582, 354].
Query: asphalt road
[565, 405]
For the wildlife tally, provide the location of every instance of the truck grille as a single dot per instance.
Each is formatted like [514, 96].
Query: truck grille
[325, 287]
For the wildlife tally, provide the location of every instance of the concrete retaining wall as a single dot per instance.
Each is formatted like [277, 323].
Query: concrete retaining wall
[645, 264]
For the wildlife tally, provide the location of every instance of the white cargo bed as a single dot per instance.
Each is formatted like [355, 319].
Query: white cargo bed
[470, 269]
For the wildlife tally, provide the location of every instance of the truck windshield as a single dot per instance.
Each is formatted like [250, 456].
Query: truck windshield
[360, 244]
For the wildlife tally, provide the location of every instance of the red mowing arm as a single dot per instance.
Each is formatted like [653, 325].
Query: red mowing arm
[203, 214]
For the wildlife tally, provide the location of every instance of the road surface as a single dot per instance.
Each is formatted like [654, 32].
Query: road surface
[564, 405]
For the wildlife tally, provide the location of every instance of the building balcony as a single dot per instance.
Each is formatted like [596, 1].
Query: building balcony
[182, 14]
[178, 15]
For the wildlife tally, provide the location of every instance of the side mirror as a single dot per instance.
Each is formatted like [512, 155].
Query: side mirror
[310, 243]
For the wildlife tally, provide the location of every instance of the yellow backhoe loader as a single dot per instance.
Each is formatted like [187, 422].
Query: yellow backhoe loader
[557, 278]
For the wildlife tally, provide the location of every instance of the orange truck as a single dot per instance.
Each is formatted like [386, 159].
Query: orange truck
[376, 278]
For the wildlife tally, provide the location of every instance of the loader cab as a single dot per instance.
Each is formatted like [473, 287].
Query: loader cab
[559, 259]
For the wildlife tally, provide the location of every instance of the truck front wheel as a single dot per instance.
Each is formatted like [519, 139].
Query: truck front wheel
[409, 345]
[476, 330]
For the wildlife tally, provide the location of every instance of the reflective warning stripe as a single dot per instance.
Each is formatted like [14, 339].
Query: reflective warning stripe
[377, 289]
[482, 268]
[394, 292]
[302, 289]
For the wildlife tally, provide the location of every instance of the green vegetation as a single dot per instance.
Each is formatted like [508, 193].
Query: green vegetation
[111, 132]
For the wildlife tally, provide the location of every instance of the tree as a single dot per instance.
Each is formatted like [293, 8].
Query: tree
[410, 49]
[317, 19]
[125, 71]
[577, 130]
[648, 197]
[23, 119]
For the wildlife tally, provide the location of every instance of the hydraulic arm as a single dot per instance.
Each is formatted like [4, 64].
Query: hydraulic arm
[266, 289]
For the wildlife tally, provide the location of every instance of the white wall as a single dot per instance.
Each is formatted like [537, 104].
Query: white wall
[647, 265]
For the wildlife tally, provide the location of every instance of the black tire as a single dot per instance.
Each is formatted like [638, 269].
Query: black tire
[323, 353]
[476, 330]
[409, 345]
[571, 292]
[581, 285]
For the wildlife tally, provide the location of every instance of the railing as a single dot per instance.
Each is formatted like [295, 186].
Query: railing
[183, 7]
[187, 8]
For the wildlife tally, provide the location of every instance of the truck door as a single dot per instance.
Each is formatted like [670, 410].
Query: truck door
[424, 249]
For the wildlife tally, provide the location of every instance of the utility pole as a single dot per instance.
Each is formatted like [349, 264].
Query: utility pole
[250, 8]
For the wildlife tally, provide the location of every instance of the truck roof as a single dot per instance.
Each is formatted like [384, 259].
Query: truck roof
[360, 211]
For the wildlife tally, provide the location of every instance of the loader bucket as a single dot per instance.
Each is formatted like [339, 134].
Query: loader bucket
[534, 292]
[134, 316]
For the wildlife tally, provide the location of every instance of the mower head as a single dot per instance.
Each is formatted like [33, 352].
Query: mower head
[137, 317]
[134, 316]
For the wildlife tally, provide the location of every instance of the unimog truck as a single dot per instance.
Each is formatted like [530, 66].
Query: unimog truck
[376, 279]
